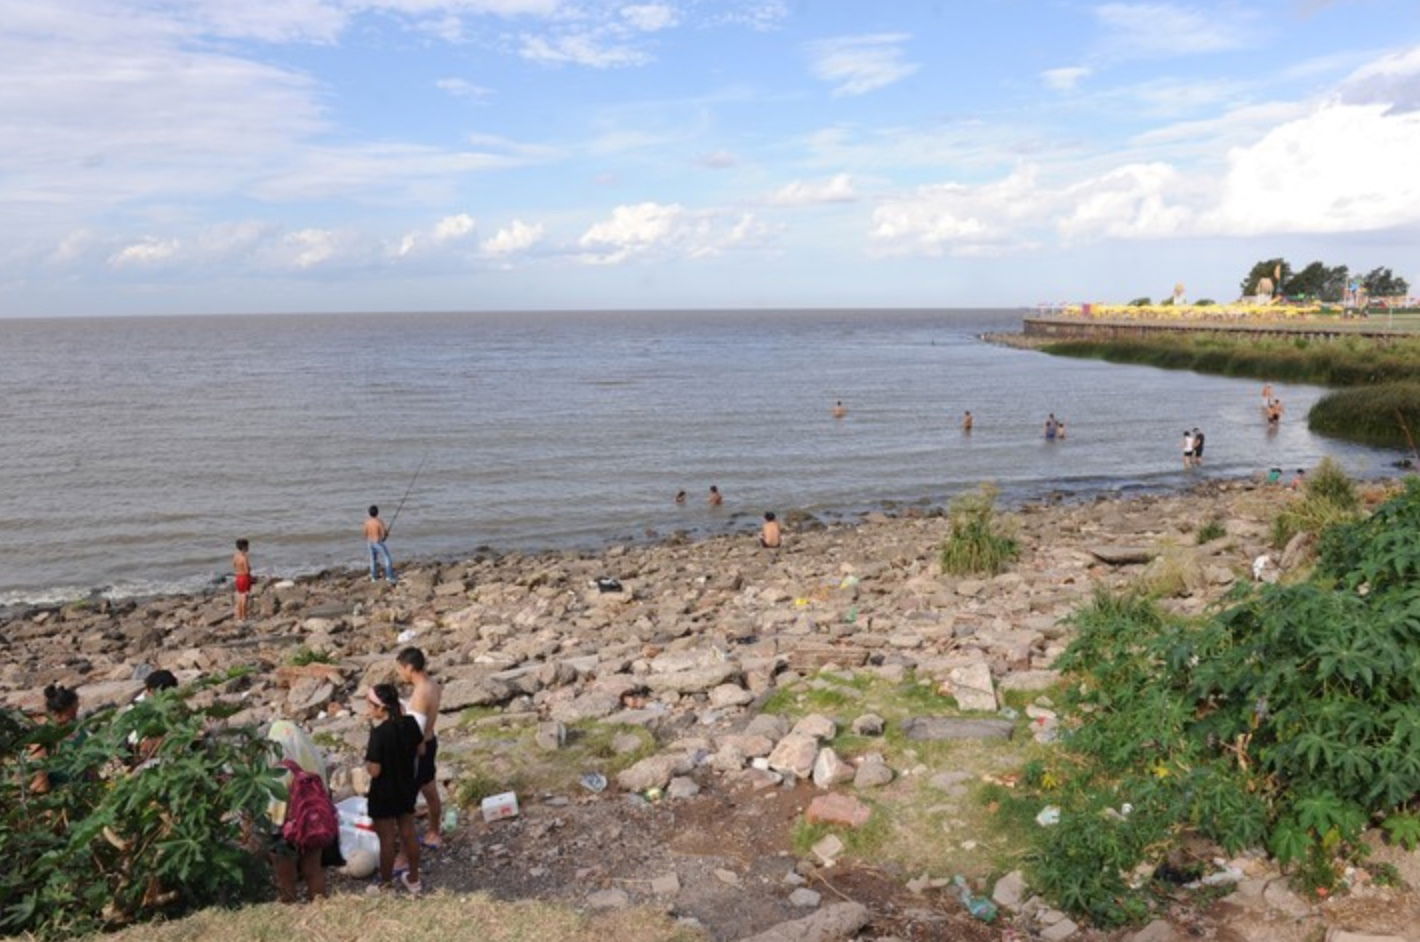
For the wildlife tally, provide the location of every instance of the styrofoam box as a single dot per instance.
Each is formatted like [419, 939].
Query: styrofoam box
[496, 807]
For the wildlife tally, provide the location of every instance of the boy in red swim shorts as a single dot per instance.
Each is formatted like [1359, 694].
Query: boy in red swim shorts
[241, 566]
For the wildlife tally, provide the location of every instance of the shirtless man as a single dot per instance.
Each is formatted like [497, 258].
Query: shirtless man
[375, 534]
[966, 422]
[770, 536]
[715, 499]
[424, 707]
[241, 570]
[838, 410]
[1266, 395]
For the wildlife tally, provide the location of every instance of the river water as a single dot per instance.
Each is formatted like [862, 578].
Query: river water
[137, 449]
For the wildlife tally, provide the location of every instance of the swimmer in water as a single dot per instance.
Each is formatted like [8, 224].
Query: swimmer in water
[716, 498]
[680, 497]
[967, 422]
[838, 410]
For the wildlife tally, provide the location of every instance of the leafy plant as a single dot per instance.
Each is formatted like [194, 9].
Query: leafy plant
[1290, 720]
[978, 542]
[126, 832]
[1330, 499]
[304, 656]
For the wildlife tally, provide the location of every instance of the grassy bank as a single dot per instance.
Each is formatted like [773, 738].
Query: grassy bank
[1383, 377]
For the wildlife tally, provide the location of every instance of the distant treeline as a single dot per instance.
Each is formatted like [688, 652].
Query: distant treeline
[1380, 407]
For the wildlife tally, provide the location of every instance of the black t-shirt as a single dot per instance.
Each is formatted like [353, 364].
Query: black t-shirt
[394, 744]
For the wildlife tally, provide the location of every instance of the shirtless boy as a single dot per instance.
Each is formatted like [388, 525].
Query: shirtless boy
[241, 569]
[424, 707]
[838, 410]
[375, 534]
[715, 499]
[770, 536]
[966, 423]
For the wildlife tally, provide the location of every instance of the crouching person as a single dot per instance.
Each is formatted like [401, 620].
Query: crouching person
[394, 747]
[307, 828]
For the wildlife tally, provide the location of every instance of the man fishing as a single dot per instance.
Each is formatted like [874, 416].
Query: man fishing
[375, 535]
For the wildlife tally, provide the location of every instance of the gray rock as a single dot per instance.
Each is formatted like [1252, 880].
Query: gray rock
[828, 848]
[622, 743]
[1032, 681]
[833, 923]
[653, 772]
[815, 725]
[869, 724]
[462, 694]
[550, 736]
[830, 770]
[873, 773]
[682, 787]
[1010, 891]
[769, 725]
[1159, 930]
[609, 899]
[971, 686]
[730, 695]
[1061, 930]
[957, 727]
[697, 680]
[805, 898]
[795, 755]
[668, 885]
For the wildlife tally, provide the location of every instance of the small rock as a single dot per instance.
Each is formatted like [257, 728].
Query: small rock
[668, 885]
[795, 755]
[830, 770]
[622, 743]
[838, 809]
[1061, 930]
[873, 773]
[804, 898]
[728, 877]
[1281, 897]
[1009, 892]
[830, 924]
[815, 725]
[1159, 930]
[609, 899]
[972, 687]
[957, 727]
[682, 786]
[828, 849]
[550, 736]
[1122, 555]
[869, 724]
[730, 695]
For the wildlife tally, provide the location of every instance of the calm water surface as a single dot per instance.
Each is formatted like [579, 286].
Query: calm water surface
[138, 449]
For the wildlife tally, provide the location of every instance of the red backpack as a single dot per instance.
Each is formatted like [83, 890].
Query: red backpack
[311, 821]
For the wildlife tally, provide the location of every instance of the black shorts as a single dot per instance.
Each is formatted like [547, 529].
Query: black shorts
[424, 768]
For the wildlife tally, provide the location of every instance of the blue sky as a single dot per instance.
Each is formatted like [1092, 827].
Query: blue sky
[162, 156]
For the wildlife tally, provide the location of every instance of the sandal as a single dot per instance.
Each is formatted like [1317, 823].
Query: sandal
[414, 887]
[431, 842]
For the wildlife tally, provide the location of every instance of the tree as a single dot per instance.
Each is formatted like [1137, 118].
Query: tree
[1381, 283]
[1266, 269]
[1318, 281]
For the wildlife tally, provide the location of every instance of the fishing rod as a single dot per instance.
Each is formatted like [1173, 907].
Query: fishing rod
[390, 526]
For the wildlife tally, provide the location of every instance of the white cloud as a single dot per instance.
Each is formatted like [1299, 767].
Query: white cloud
[859, 64]
[1149, 30]
[836, 189]
[1343, 168]
[453, 227]
[462, 88]
[443, 232]
[1064, 79]
[665, 230]
[717, 160]
[587, 49]
[72, 247]
[1393, 79]
[957, 219]
[378, 171]
[307, 248]
[1133, 201]
[650, 17]
[150, 251]
[517, 236]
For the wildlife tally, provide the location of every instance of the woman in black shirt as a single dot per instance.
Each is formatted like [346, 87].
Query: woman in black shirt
[395, 743]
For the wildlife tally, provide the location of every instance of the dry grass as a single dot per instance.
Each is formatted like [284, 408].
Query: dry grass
[441, 917]
[1175, 571]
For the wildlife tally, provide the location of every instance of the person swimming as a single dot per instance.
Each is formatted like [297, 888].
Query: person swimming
[716, 498]
[839, 411]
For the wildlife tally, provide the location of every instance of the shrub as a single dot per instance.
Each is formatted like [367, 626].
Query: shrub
[1141, 302]
[1212, 530]
[1330, 499]
[109, 844]
[1175, 571]
[1387, 415]
[1289, 720]
[978, 542]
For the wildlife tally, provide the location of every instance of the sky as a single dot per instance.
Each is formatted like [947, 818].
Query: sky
[203, 156]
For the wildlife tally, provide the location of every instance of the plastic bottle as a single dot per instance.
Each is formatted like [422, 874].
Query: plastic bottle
[979, 906]
[451, 819]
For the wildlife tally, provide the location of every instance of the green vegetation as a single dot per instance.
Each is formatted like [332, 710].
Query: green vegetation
[1145, 301]
[1290, 720]
[1319, 280]
[1387, 414]
[109, 844]
[1330, 498]
[304, 656]
[978, 542]
[1210, 531]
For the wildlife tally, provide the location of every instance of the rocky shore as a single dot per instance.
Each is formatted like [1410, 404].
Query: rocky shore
[722, 681]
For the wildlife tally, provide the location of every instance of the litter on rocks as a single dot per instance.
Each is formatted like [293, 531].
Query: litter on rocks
[593, 781]
[1049, 816]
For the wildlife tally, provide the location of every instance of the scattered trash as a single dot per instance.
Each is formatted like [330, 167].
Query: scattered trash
[593, 781]
[979, 906]
[451, 819]
[653, 794]
[1125, 810]
[1009, 713]
[852, 616]
[608, 584]
[407, 635]
[497, 807]
[801, 602]
[848, 582]
[1049, 816]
